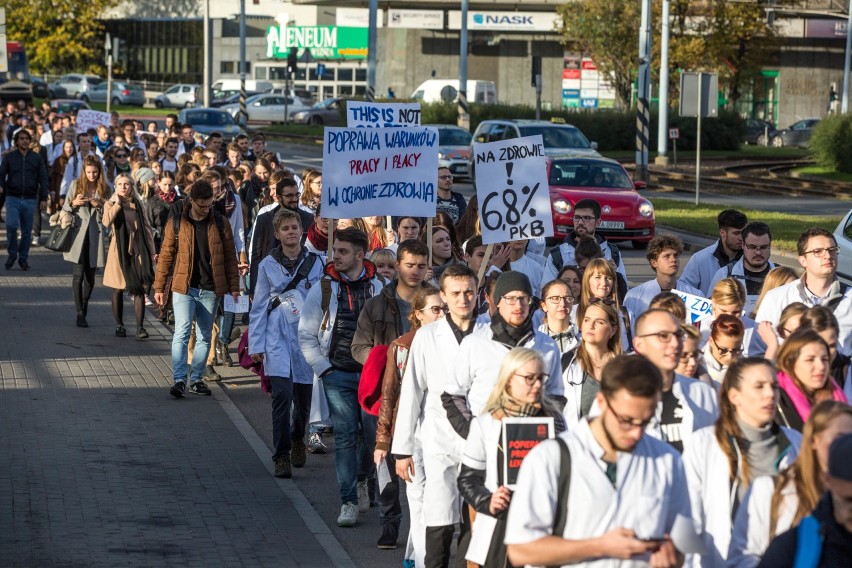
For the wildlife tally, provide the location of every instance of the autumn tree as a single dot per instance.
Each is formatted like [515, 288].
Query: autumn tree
[59, 35]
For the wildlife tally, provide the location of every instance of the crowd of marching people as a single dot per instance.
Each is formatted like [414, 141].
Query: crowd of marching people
[724, 442]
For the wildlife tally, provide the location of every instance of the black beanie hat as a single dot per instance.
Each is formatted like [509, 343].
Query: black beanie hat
[840, 458]
[512, 281]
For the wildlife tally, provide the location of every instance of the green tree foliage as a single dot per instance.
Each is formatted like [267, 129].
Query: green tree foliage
[831, 142]
[60, 36]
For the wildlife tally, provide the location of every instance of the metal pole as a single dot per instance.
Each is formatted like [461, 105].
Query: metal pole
[463, 115]
[643, 113]
[372, 38]
[663, 123]
[205, 87]
[243, 114]
[538, 97]
[698, 140]
[108, 49]
[844, 105]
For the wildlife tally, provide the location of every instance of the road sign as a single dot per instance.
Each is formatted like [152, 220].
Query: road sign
[320, 70]
[674, 133]
[689, 94]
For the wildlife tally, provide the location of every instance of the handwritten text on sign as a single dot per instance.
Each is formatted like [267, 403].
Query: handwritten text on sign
[697, 308]
[382, 115]
[520, 435]
[387, 171]
[511, 184]
[87, 119]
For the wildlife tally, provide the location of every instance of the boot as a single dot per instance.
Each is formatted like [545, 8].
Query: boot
[224, 354]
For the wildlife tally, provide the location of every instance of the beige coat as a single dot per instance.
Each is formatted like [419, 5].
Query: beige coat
[113, 277]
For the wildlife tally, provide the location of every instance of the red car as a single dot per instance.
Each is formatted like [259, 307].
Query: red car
[625, 215]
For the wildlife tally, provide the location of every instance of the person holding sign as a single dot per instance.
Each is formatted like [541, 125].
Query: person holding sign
[704, 264]
[603, 490]
[519, 393]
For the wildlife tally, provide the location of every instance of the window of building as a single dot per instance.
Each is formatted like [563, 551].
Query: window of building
[227, 67]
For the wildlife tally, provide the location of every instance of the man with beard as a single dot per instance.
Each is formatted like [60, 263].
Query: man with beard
[169, 163]
[751, 269]
[587, 218]
[704, 264]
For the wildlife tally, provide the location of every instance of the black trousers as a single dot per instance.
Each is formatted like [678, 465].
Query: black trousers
[390, 509]
[302, 395]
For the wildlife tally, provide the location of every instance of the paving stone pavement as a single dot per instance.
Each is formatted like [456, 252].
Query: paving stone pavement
[99, 466]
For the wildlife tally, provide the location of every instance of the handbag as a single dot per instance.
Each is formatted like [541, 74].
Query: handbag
[60, 238]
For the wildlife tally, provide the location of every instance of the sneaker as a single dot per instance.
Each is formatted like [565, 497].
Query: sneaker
[24, 264]
[35, 242]
[390, 534]
[120, 331]
[210, 374]
[200, 388]
[282, 467]
[363, 496]
[348, 515]
[297, 454]
[141, 333]
[315, 444]
[178, 390]
[148, 301]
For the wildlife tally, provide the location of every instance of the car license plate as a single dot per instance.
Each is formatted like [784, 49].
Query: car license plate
[612, 225]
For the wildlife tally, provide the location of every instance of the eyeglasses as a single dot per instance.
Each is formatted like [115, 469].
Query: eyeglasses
[627, 424]
[445, 177]
[606, 301]
[121, 155]
[316, 182]
[725, 351]
[434, 309]
[820, 252]
[512, 300]
[584, 218]
[531, 379]
[560, 299]
[756, 248]
[665, 336]
[687, 355]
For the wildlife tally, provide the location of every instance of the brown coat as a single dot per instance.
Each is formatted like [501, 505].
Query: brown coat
[223, 256]
[113, 276]
[390, 392]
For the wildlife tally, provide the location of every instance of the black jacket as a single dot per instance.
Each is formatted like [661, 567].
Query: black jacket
[24, 176]
[787, 415]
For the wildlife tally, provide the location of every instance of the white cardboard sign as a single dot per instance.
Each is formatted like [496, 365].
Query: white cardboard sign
[512, 188]
[697, 308]
[379, 171]
[382, 115]
[87, 119]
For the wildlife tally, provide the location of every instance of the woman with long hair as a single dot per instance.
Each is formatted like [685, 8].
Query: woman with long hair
[803, 378]
[788, 322]
[776, 277]
[600, 343]
[691, 357]
[377, 235]
[723, 460]
[130, 261]
[823, 321]
[311, 190]
[185, 177]
[443, 254]
[599, 281]
[724, 346]
[86, 198]
[118, 162]
[519, 392]
[442, 219]
[774, 505]
[556, 303]
[468, 225]
[426, 307]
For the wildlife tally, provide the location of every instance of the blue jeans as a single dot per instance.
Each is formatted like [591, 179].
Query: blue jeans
[198, 305]
[226, 326]
[19, 215]
[282, 402]
[341, 391]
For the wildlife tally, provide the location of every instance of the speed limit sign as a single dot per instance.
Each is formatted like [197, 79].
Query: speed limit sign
[674, 133]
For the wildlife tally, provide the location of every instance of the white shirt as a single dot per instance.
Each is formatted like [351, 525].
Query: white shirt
[701, 268]
[650, 491]
[751, 536]
[168, 166]
[639, 297]
[532, 269]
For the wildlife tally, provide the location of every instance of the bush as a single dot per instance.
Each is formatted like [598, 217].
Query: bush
[611, 129]
[831, 143]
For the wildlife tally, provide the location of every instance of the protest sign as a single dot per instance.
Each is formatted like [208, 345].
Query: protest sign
[697, 308]
[512, 188]
[520, 435]
[381, 115]
[87, 119]
[379, 171]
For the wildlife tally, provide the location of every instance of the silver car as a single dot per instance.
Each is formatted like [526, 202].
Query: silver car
[122, 94]
[454, 149]
[182, 95]
[73, 85]
[268, 107]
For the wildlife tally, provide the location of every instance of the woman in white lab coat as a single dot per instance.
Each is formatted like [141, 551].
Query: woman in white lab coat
[519, 393]
[729, 297]
[773, 505]
[599, 281]
[723, 460]
[724, 346]
[556, 303]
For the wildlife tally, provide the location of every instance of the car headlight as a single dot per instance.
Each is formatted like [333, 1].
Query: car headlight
[562, 206]
[646, 209]
[300, 115]
[442, 155]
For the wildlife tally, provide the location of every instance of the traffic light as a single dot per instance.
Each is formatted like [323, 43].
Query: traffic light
[293, 59]
[536, 69]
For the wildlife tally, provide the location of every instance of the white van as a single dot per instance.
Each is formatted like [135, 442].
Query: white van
[446, 90]
[227, 87]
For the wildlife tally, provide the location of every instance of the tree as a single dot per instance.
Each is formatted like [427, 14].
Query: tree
[59, 35]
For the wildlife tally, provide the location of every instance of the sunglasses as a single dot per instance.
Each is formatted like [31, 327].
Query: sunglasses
[434, 309]
[724, 351]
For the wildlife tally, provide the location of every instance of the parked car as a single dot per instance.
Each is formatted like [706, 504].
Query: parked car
[304, 94]
[843, 236]
[626, 215]
[454, 149]
[73, 85]
[560, 138]
[123, 93]
[231, 98]
[797, 134]
[757, 132]
[268, 107]
[329, 111]
[41, 90]
[210, 120]
[182, 95]
[68, 106]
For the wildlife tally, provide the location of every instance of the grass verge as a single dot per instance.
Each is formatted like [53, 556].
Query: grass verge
[744, 153]
[701, 219]
[823, 172]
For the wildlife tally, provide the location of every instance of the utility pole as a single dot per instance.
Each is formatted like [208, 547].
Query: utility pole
[663, 123]
[844, 104]
[643, 96]
[463, 115]
[108, 46]
[207, 62]
[372, 37]
[243, 114]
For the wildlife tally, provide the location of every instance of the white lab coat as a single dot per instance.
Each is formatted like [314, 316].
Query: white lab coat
[738, 272]
[650, 492]
[751, 537]
[779, 298]
[712, 493]
[639, 297]
[480, 449]
[478, 363]
[701, 268]
[568, 259]
[572, 382]
[276, 334]
[570, 341]
[430, 361]
[533, 270]
[753, 344]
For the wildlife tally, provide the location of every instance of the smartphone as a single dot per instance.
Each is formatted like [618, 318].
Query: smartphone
[658, 539]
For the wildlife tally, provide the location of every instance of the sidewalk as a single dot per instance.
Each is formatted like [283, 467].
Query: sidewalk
[99, 466]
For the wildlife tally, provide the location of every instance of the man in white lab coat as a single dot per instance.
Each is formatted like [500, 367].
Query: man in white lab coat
[751, 269]
[616, 504]
[704, 264]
